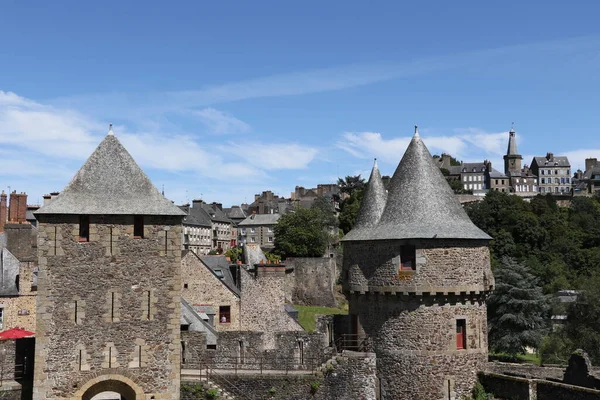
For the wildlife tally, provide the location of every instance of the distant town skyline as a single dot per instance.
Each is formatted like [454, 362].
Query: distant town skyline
[221, 102]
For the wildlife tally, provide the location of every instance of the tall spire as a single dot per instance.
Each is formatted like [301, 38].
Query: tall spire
[371, 207]
[512, 142]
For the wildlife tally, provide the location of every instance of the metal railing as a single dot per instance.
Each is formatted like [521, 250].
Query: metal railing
[225, 384]
[263, 364]
[353, 342]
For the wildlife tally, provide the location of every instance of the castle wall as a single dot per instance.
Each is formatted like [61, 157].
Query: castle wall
[441, 266]
[109, 307]
[313, 281]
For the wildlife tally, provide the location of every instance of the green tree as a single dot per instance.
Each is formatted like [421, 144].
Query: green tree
[517, 309]
[583, 320]
[350, 184]
[349, 210]
[303, 232]
[234, 254]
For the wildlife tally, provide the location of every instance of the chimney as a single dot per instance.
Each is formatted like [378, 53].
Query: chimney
[17, 208]
[22, 208]
[197, 203]
[47, 198]
[3, 211]
[218, 205]
[590, 163]
[550, 156]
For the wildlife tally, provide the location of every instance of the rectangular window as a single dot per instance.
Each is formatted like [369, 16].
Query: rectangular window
[543, 172]
[138, 226]
[1, 318]
[224, 314]
[252, 230]
[461, 334]
[84, 228]
[407, 258]
[270, 229]
[252, 240]
[270, 239]
[543, 180]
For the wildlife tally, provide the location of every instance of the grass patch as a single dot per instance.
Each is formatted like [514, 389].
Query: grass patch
[307, 315]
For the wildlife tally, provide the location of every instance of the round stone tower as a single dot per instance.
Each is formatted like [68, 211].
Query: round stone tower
[417, 272]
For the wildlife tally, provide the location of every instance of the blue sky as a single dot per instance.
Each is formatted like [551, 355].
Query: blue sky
[222, 100]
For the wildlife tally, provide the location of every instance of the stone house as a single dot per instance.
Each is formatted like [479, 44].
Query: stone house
[197, 229]
[587, 183]
[258, 229]
[109, 309]
[208, 283]
[554, 173]
[18, 264]
[416, 272]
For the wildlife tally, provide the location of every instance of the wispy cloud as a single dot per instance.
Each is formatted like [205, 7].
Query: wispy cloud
[275, 156]
[221, 123]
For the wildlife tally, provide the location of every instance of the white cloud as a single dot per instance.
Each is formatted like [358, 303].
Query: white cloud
[372, 144]
[221, 123]
[577, 157]
[491, 143]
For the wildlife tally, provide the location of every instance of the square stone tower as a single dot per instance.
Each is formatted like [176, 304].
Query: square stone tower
[417, 272]
[109, 251]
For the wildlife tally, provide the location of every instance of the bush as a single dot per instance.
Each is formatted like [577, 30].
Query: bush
[314, 386]
[212, 394]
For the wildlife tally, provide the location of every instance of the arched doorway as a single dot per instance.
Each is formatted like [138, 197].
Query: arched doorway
[113, 387]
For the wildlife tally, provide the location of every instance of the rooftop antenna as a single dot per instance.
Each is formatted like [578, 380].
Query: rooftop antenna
[163, 189]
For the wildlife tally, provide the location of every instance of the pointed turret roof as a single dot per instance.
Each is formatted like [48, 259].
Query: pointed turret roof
[110, 182]
[420, 203]
[512, 143]
[371, 207]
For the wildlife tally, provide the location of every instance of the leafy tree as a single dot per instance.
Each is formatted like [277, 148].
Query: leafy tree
[517, 309]
[350, 184]
[349, 210]
[303, 232]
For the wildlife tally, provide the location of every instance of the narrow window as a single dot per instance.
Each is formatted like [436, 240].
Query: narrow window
[1, 318]
[225, 314]
[80, 360]
[301, 351]
[407, 258]
[112, 306]
[138, 226]
[241, 351]
[140, 356]
[185, 285]
[461, 334]
[84, 228]
[148, 304]
[110, 357]
[76, 314]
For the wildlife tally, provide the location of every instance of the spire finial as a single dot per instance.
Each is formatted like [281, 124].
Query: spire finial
[375, 162]
[512, 127]
[416, 131]
[110, 130]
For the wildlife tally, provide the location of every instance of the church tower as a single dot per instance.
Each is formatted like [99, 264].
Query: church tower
[109, 250]
[512, 159]
[416, 273]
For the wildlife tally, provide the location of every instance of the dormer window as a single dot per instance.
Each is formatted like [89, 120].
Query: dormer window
[138, 227]
[84, 228]
[408, 258]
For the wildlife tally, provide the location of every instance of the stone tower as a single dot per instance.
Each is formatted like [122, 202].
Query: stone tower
[109, 252]
[512, 159]
[416, 273]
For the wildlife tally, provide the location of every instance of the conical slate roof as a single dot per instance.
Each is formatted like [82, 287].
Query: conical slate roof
[420, 203]
[512, 143]
[371, 207]
[110, 182]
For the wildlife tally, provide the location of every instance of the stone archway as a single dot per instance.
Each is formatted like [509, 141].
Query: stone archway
[110, 383]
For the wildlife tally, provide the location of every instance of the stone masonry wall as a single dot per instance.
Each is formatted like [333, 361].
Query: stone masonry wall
[262, 309]
[110, 306]
[350, 377]
[441, 266]
[314, 280]
[204, 288]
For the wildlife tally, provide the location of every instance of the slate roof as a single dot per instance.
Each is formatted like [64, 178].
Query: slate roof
[512, 143]
[260, 219]
[110, 182]
[197, 217]
[235, 212]
[220, 263]
[215, 213]
[420, 203]
[495, 174]
[194, 321]
[557, 161]
[371, 207]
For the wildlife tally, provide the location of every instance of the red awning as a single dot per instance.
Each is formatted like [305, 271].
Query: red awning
[15, 333]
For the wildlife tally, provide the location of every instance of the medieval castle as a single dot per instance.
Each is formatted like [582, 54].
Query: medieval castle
[116, 315]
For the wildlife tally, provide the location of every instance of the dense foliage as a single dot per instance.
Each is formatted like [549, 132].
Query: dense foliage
[518, 311]
[355, 187]
[560, 245]
[305, 232]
